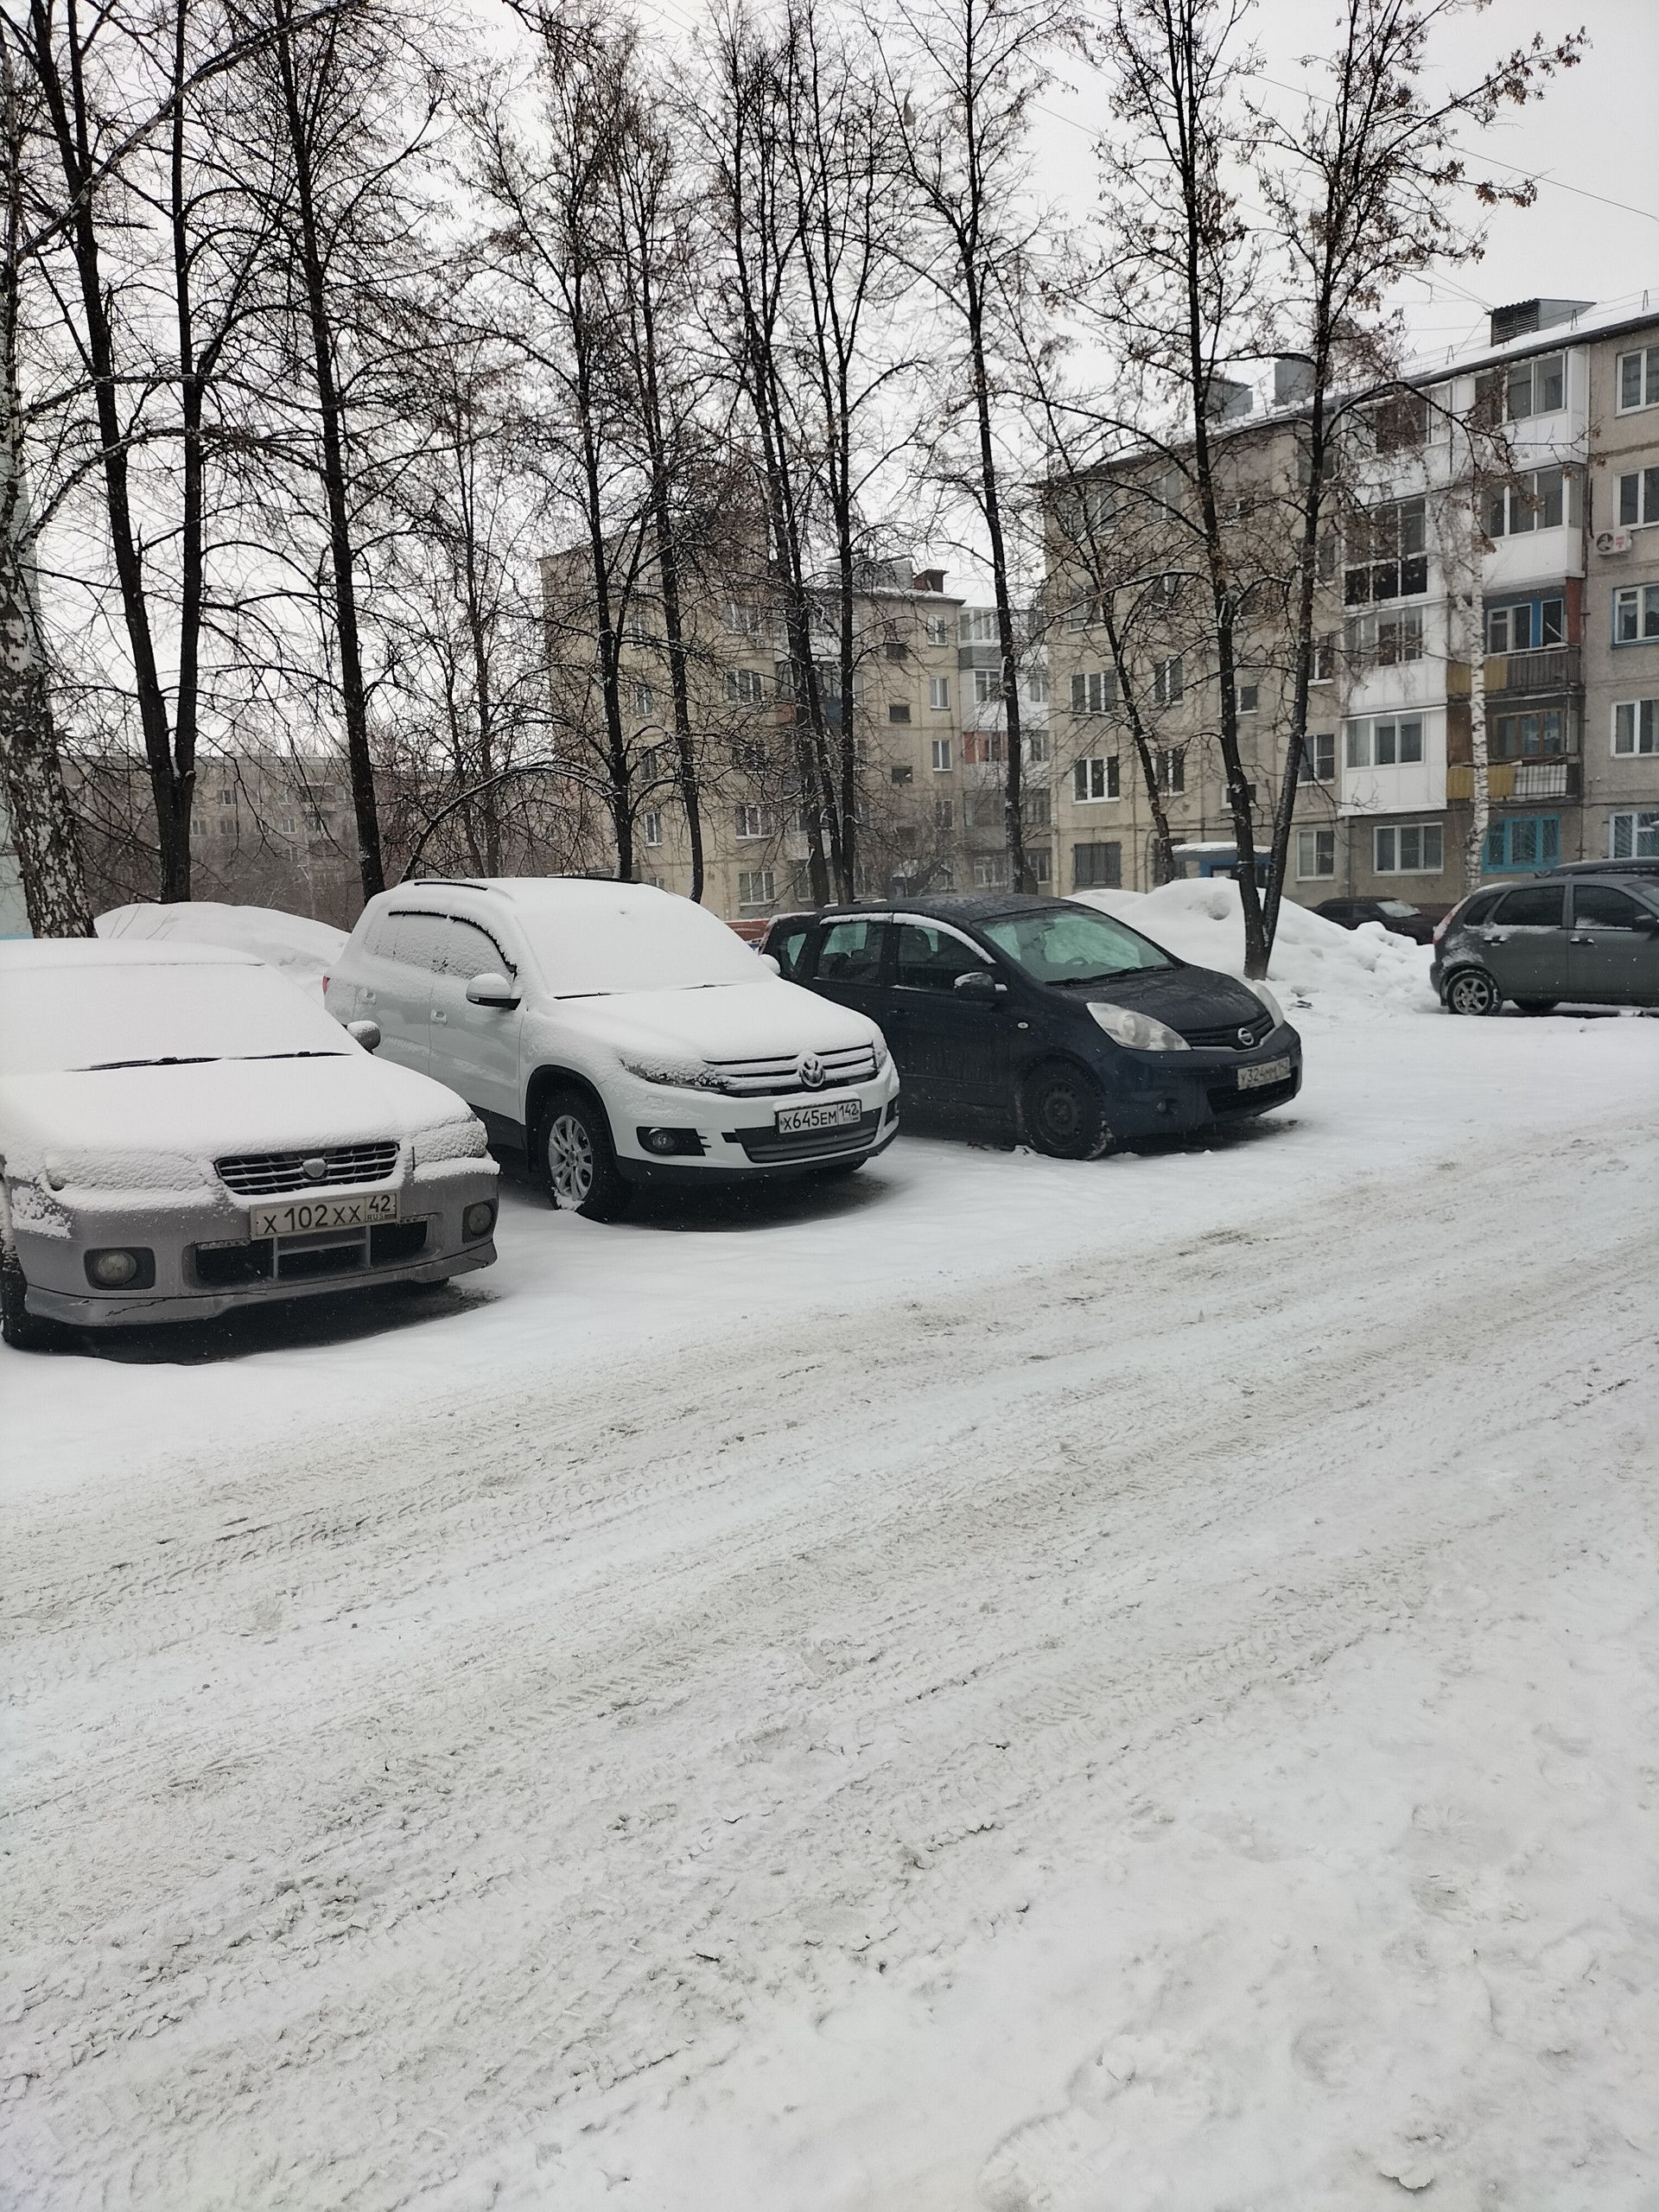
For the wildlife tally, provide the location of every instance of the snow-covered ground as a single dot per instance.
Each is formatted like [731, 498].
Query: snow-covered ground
[1003, 1684]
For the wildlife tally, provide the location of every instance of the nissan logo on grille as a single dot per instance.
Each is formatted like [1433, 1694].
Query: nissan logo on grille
[811, 1071]
[1247, 1035]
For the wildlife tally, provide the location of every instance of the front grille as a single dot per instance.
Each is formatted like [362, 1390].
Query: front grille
[767, 1147]
[264, 1174]
[779, 1073]
[1227, 1037]
[1224, 1099]
[391, 1240]
[309, 1261]
[222, 1267]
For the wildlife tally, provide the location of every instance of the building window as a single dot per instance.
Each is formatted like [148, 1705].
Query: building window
[1034, 810]
[895, 649]
[745, 620]
[1166, 681]
[644, 699]
[1535, 387]
[941, 753]
[1634, 836]
[1638, 379]
[1538, 500]
[987, 685]
[653, 826]
[1399, 424]
[1096, 778]
[1385, 742]
[1634, 730]
[1522, 843]
[983, 810]
[1248, 697]
[1384, 640]
[1036, 686]
[1316, 854]
[936, 628]
[1525, 624]
[1529, 737]
[1638, 498]
[1408, 849]
[751, 757]
[1324, 659]
[944, 814]
[903, 774]
[751, 822]
[1169, 765]
[756, 889]
[1095, 693]
[990, 871]
[1636, 614]
[939, 694]
[980, 748]
[1387, 553]
[745, 687]
[1096, 867]
[1318, 761]
[1040, 864]
[1035, 743]
[898, 710]
[979, 626]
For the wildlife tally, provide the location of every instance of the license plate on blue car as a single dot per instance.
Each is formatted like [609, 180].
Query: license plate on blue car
[1263, 1073]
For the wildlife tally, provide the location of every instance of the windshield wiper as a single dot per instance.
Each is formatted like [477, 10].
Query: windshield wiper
[167, 1060]
[307, 1054]
[1065, 982]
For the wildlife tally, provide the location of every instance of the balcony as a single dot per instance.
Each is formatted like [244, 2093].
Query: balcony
[1551, 669]
[1505, 779]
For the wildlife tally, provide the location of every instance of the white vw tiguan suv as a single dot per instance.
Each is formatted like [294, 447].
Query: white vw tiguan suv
[617, 1034]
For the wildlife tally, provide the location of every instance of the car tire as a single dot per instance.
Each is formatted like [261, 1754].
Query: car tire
[1063, 1113]
[1537, 1005]
[1472, 991]
[22, 1330]
[578, 1159]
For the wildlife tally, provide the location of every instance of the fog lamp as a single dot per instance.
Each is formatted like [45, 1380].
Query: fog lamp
[116, 1269]
[480, 1219]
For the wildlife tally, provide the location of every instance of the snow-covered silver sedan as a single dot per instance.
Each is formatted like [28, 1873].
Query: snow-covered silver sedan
[182, 1130]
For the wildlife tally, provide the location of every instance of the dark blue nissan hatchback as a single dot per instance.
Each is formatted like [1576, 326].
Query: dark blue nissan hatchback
[1046, 1019]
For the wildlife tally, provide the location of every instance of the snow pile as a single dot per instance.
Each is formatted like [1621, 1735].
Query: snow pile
[1314, 959]
[305, 950]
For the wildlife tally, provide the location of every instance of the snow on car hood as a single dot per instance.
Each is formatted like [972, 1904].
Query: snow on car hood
[133, 1129]
[725, 1021]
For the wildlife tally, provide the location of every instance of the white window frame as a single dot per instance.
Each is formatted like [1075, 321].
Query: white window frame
[1169, 765]
[745, 687]
[1094, 691]
[1531, 369]
[1646, 380]
[1363, 755]
[942, 751]
[1097, 779]
[944, 814]
[1322, 844]
[1249, 699]
[1323, 669]
[761, 890]
[978, 625]
[652, 826]
[936, 628]
[1640, 603]
[1644, 499]
[1638, 721]
[1166, 683]
[1395, 831]
[988, 686]
[1522, 503]
[939, 694]
[751, 823]
[644, 699]
[990, 871]
[1627, 843]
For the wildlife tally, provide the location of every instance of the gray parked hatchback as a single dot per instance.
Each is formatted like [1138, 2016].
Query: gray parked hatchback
[1590, 939]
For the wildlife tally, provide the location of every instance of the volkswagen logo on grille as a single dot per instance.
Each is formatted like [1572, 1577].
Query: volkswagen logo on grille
[811, 1071]
[1247, 1035]
[313, 1169]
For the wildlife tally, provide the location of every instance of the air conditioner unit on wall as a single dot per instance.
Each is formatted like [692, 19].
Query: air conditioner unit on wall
[1613, 541]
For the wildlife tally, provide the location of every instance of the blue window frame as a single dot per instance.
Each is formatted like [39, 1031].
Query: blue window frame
[1522, 843]
[1526, 625]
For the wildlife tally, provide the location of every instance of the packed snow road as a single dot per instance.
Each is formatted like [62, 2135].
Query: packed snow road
[1011, 1685]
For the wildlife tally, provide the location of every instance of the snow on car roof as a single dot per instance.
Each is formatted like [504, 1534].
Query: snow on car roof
[595, 936]
[104, 952]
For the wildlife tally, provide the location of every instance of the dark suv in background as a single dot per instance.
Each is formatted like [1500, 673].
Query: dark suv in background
[1395, 914]
[1589, 938]
[1045, 1020]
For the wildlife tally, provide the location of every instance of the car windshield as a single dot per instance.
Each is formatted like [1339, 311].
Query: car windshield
[1071, 944]
[1397, 907]
[54, 1020]
[650, 943]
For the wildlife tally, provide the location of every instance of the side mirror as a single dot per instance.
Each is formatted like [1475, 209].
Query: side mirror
[366, 1033]
[491, 989]
[769, 960]
[979, 985]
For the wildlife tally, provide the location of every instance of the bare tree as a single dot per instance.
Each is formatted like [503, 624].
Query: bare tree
[964, 128]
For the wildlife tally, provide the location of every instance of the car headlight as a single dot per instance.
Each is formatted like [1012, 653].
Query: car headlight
[1267, 1000]
[687, 1074]
[1138, 1031]
[882, 1055]
[464, 1139]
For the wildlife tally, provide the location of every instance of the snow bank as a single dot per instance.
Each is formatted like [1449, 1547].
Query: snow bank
[304, 951]
[1314, 959]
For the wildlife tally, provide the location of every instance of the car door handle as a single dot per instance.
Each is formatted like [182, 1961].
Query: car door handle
[1497, 936]
[1581, 940]
[438, 1014]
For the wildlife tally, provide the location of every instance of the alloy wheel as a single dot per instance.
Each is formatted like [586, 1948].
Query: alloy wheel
[570, 1159]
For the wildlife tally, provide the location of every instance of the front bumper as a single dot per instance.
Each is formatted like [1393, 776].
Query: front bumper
[198, 1237]
[738, 1137]
[1174, 1094]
